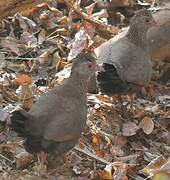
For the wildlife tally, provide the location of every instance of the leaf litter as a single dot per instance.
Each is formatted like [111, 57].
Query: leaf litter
[36, 54]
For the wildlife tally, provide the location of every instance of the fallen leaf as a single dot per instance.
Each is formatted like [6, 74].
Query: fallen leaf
[96, 139]
[116, 170]
[11, 44]
[78, 44]
[166, 167]
[154, 166]
[3, 115]
[147, 125]
[26, 97]
[89, 9]
[106, 173]
[161, 176]
[120, 170]
[23, 159]
[98, 151]
[23, 78]
[129, 129]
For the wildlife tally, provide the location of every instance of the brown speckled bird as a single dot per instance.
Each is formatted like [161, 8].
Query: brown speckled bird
[126, 59]
[56, 121]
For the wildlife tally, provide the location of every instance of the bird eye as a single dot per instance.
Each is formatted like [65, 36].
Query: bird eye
[90, 65]
[147, 20]
[89, 60]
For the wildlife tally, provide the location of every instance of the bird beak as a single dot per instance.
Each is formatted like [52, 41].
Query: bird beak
[98, 67]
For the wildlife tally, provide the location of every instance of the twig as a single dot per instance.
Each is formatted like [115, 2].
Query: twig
[99, 26]
[6, 159]
[88, 153]
[103, 161]
[126, 158]
[16, 58]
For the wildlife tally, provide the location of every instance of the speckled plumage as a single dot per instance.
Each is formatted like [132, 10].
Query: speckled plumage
[128, 56]
[56, 121]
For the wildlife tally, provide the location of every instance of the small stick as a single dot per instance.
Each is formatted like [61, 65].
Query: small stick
[88, 153]
[126, 158]
[85, 17]
[6, 159]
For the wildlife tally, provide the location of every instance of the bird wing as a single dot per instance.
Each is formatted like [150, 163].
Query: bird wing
[59, 115]
[69, 124]
[132, 63]
[42, 112]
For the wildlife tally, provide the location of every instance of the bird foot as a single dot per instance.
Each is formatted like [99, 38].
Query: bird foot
[42, 170]
[42, 158]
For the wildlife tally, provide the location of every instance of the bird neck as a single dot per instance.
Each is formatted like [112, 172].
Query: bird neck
[137, 36]
[79, 82]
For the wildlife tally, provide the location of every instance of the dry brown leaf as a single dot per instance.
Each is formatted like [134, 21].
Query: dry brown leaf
[154, 166]
[23, 78]
[147, 125]
[64, 20]
[120, 3]
[120, 140]
[3, 115]
[101, 14]
[105, 174]
[26, 97]
[23, 159]
[96, 139]
[89, 9]
[140, 114]
[161, 176]
[42, 36]
[104, 99]
[120, 171]
[166, 167]
[22, 22]
[78, 44]
[1, 100]
[98, 151]
[11, 147]
[167, 115]
[11, 44]
[129, 129]
[90, 29]
[46, 57]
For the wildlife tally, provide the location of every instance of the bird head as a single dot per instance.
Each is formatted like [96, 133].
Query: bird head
[143, 19]
[85, 64]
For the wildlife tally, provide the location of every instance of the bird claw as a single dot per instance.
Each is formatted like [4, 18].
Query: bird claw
[42, 158]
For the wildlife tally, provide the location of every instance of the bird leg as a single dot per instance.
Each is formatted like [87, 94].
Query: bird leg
[66, 160]
[120, 101]
[42, 158]
[132, 100]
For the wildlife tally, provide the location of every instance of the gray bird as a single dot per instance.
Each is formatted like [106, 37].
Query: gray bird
[126, 59]
[56, 121]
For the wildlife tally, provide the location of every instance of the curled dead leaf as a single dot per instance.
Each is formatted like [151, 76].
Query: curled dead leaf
[147, 125]
[161, 176]
[129, 129]
[116, 170]
[23, 78]
[154, 166]
[26, 97]
[23, 159]
[96, 139]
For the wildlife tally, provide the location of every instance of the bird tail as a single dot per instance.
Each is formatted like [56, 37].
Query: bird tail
[18, 119]
[32, 143]
[110, 83]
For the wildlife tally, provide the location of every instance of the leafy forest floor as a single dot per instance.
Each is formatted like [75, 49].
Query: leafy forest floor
[121, 140]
